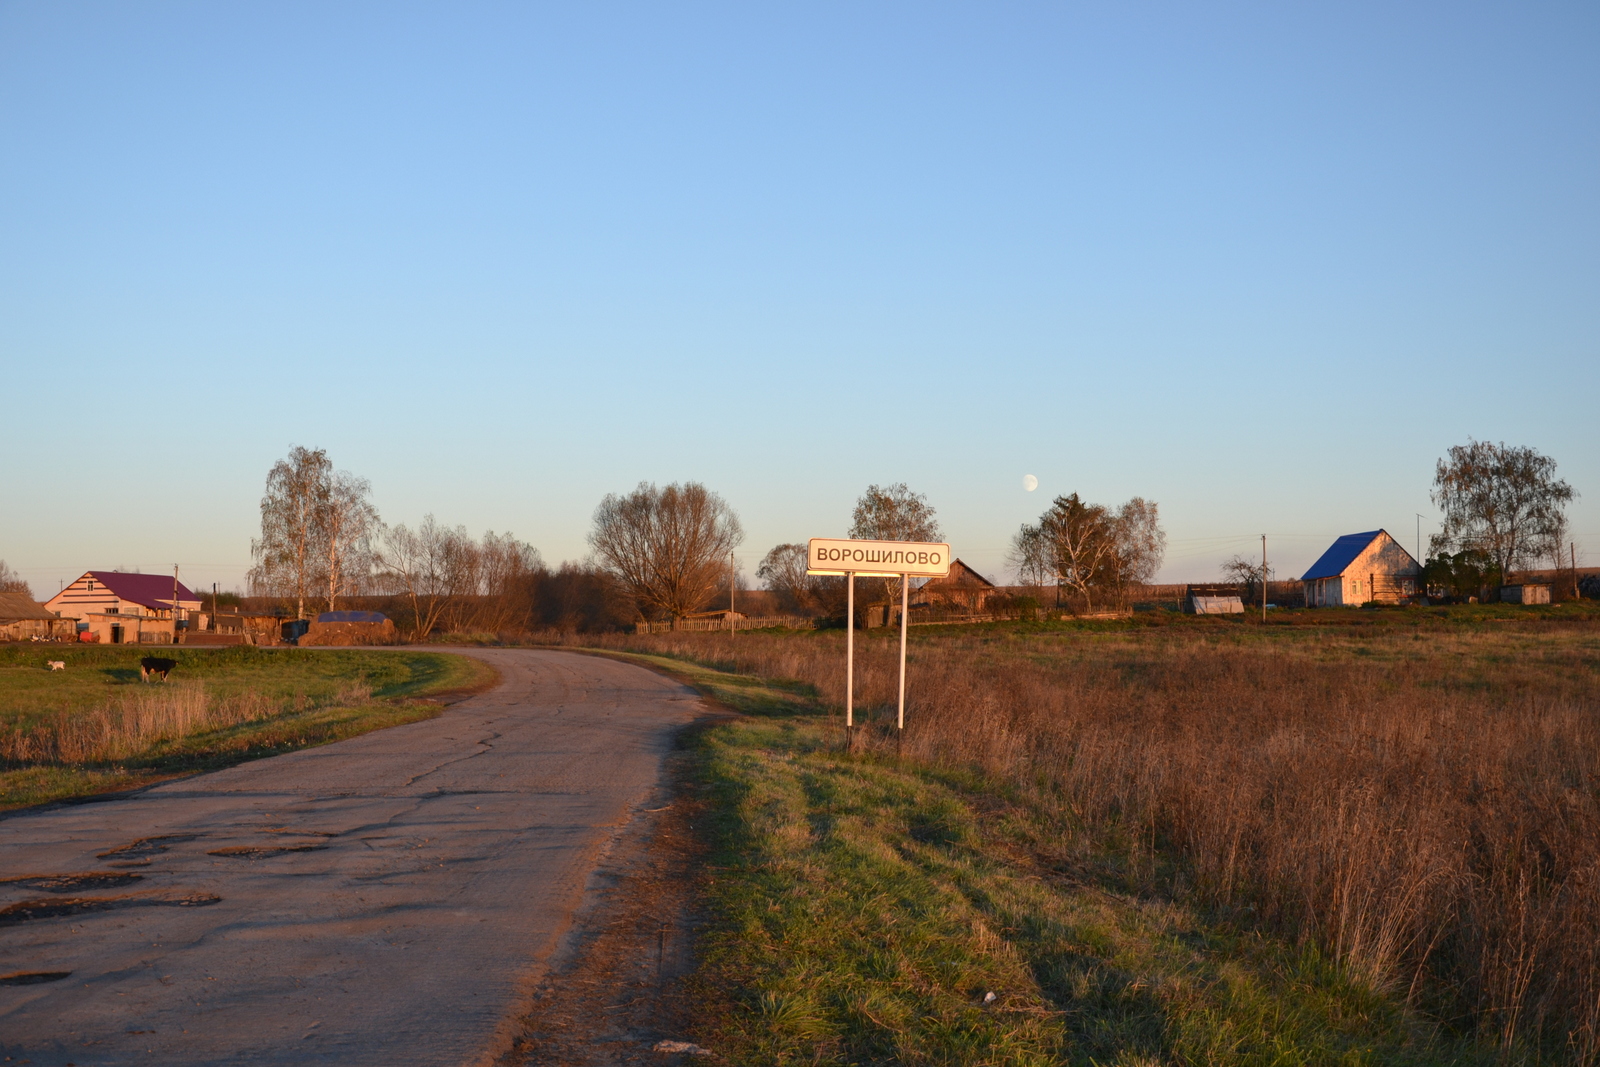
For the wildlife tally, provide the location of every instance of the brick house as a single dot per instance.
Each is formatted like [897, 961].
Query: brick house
[1363, 568]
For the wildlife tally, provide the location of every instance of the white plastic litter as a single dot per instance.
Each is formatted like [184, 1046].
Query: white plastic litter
[680, 1046]
[988, 998]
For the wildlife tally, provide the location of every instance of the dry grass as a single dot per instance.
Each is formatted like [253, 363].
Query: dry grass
[1424, 806]
[131, 723]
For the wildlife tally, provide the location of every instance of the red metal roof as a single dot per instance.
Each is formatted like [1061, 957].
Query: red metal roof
[149, 590]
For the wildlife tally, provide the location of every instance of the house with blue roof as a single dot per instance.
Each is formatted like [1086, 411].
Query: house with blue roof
[1363, 568]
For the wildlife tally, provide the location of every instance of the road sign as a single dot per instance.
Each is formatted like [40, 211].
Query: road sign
[878, 559]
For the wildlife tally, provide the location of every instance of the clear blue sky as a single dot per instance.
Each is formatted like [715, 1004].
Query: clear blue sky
[1262, 263]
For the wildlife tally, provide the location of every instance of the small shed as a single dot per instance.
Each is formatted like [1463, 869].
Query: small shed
[1363, 568]
[24, 619]
[963, 589]
[1212, 600]
[1525, 593]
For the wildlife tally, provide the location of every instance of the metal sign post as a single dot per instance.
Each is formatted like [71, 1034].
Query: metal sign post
[875, 559]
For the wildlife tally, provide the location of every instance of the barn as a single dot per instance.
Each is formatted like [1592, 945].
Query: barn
[1363, 568]
[23, 619]
[120, 608]
[963, 589]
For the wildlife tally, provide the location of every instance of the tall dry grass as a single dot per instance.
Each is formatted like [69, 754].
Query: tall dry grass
[1425, 808]
[139, 719]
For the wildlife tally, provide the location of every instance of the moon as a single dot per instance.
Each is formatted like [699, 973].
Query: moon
[1029, 482]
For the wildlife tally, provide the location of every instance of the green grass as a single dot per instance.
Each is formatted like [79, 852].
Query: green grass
[319, 697]
[865, 907]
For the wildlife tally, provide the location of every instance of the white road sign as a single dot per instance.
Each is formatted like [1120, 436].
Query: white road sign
[883, 559]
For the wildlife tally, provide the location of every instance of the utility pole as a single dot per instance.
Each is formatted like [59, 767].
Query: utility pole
[1263, 578]
[1418, 514]
[1572, 549]
[732, 569]
[174, 603]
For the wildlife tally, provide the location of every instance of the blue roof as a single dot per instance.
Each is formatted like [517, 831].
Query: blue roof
[1340, 555]
[352, 616]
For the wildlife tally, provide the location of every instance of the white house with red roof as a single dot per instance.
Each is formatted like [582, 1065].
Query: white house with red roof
[120, 608]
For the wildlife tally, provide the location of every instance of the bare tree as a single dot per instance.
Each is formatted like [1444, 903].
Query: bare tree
[1502, 500]
[893, 513]
[344, 524]
[426, 567]
[668, 546]
[12, 582]
[1074, 544]
[1248, 573]
[783, 570]
[286, 553]
[506, 570]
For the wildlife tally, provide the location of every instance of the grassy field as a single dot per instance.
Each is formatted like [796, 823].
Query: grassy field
[1367, 841]
[95, 727]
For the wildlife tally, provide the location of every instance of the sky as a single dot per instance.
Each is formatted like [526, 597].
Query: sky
[1260, 263]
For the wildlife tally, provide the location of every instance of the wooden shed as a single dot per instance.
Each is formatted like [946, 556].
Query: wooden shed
[24, 619]
[1363, 568]
[1525, 593]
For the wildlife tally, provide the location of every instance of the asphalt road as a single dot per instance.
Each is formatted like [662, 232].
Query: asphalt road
[386, 900]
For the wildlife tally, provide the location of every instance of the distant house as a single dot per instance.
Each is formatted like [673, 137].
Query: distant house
[120, 608]
[963, 589]
[24, 619]
[1362, 568]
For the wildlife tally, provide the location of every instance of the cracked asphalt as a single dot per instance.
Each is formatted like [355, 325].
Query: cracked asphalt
[391, 899]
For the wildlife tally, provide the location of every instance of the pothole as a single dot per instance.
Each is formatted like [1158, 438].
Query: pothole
[72, 883]
[263, 850]
[145, 846]
[33, 977]
[29, 910]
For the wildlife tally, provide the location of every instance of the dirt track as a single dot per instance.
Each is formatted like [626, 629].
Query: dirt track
[392, 899]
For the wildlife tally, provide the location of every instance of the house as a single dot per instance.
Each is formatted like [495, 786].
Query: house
[120, 608]
[24, 619]
[1362, 568]
[963, 590]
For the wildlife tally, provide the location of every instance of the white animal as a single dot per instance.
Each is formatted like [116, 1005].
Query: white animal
[57, 665]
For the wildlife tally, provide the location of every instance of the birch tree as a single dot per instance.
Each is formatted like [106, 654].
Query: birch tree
[286, 556]
[668, 546]
[1504, 501]
[345, 522]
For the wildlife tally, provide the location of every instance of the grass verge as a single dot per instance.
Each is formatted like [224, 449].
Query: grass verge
[292, 698]
[870, 910]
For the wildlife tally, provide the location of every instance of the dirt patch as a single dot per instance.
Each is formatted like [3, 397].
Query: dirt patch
[618, 987]
[50, 908]
[73, 883]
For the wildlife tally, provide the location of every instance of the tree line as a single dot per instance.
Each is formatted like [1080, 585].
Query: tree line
[666, 552]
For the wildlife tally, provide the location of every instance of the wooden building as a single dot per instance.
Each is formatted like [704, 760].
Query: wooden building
[24, 619]
[962, 590]
[119, 608]
[1363, 568]
[1525, 593]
